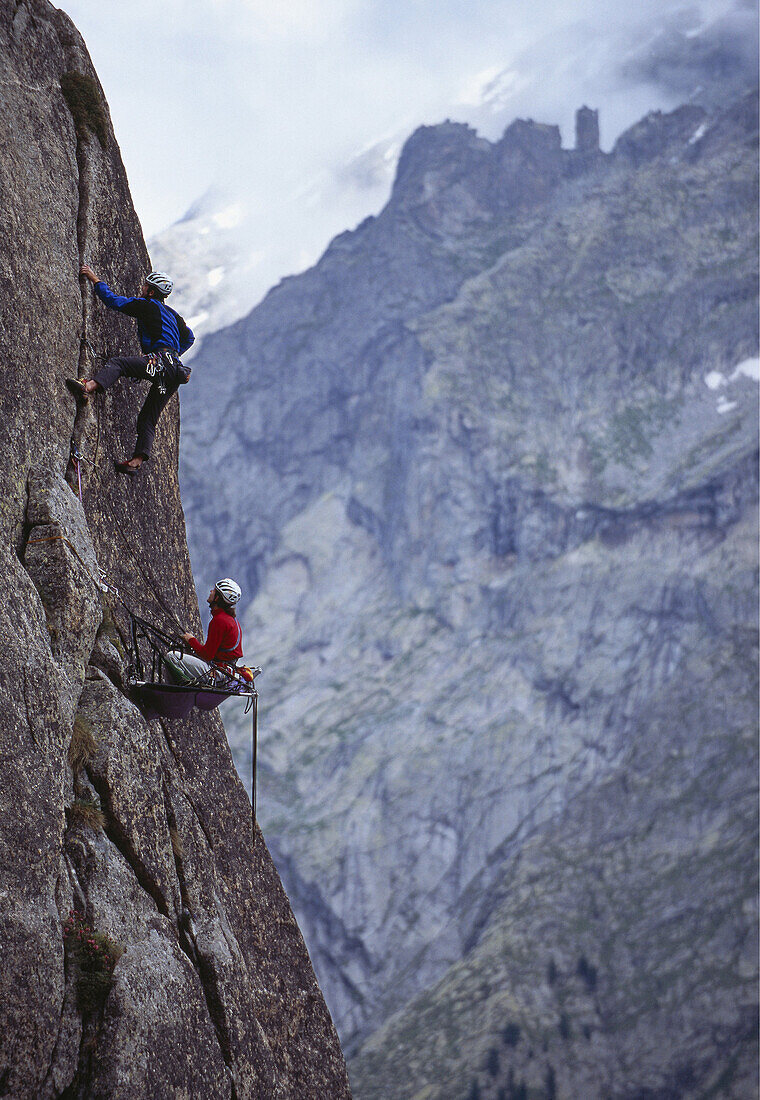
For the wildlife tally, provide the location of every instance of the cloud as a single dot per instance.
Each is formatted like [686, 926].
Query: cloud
[263, 20]
[372, 167]
[708, 64]
[298, 109]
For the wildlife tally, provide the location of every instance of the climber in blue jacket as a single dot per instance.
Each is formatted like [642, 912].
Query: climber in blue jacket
[164, 336]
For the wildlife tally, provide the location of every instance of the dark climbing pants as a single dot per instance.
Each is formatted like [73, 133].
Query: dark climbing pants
[134, 366]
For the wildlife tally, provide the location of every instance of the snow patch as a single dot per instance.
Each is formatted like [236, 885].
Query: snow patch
[724, 405]
[215, 276]
[492, 89]
[473, 90]
[229, 217]
[698, 133]
[748, 368]
[198, 319]
[714, 380]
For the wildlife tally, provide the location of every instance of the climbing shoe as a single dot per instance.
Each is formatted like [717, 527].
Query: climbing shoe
[125, 468]
[76, 386]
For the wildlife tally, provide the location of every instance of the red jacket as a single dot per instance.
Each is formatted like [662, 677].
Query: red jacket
[224, 642]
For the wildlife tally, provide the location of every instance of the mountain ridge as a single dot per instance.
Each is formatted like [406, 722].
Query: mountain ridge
[503, 444]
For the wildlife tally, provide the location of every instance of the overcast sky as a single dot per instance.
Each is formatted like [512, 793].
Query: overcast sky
[301, 105]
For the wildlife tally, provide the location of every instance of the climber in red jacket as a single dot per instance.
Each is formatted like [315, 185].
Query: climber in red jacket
[224, 641]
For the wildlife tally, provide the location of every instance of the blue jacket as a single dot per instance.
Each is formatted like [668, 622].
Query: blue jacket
[158, 326]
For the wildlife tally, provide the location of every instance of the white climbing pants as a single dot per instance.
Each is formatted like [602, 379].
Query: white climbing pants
[184, 667]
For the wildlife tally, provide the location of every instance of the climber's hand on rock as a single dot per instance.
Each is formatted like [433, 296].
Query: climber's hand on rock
[88, 273]
[187, 637]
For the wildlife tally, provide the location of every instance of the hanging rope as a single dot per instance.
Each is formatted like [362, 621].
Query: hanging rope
[254, 753]
[157, 638]
[103, 584]
[95, 356]
[158, 641]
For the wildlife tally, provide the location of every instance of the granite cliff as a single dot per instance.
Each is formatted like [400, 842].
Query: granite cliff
[491, 468]
[148, 949]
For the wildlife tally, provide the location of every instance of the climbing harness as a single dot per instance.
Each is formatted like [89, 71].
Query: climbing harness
[154, 369]
[164, 367]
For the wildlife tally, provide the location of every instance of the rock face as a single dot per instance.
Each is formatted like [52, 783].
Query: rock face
[142, 827]
[491, 467]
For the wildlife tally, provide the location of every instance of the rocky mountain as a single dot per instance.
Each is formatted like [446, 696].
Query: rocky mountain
[148, 948]
[490, 470]
[241, 236]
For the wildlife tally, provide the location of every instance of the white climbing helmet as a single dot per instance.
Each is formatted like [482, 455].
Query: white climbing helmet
[160, 282]
[228, 590]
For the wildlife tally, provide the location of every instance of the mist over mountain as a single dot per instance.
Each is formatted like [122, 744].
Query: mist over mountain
[707, 64]
[490, 470]
[213, 270]
[629, 61]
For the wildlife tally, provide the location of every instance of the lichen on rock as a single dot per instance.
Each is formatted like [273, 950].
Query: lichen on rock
[85, 102]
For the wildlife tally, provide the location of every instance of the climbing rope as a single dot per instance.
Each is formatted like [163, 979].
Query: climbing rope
[155, 637]
[103, 584]
[76, 458]
[254, 753]
[145, 575]
[75, 552]
[94, 356]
